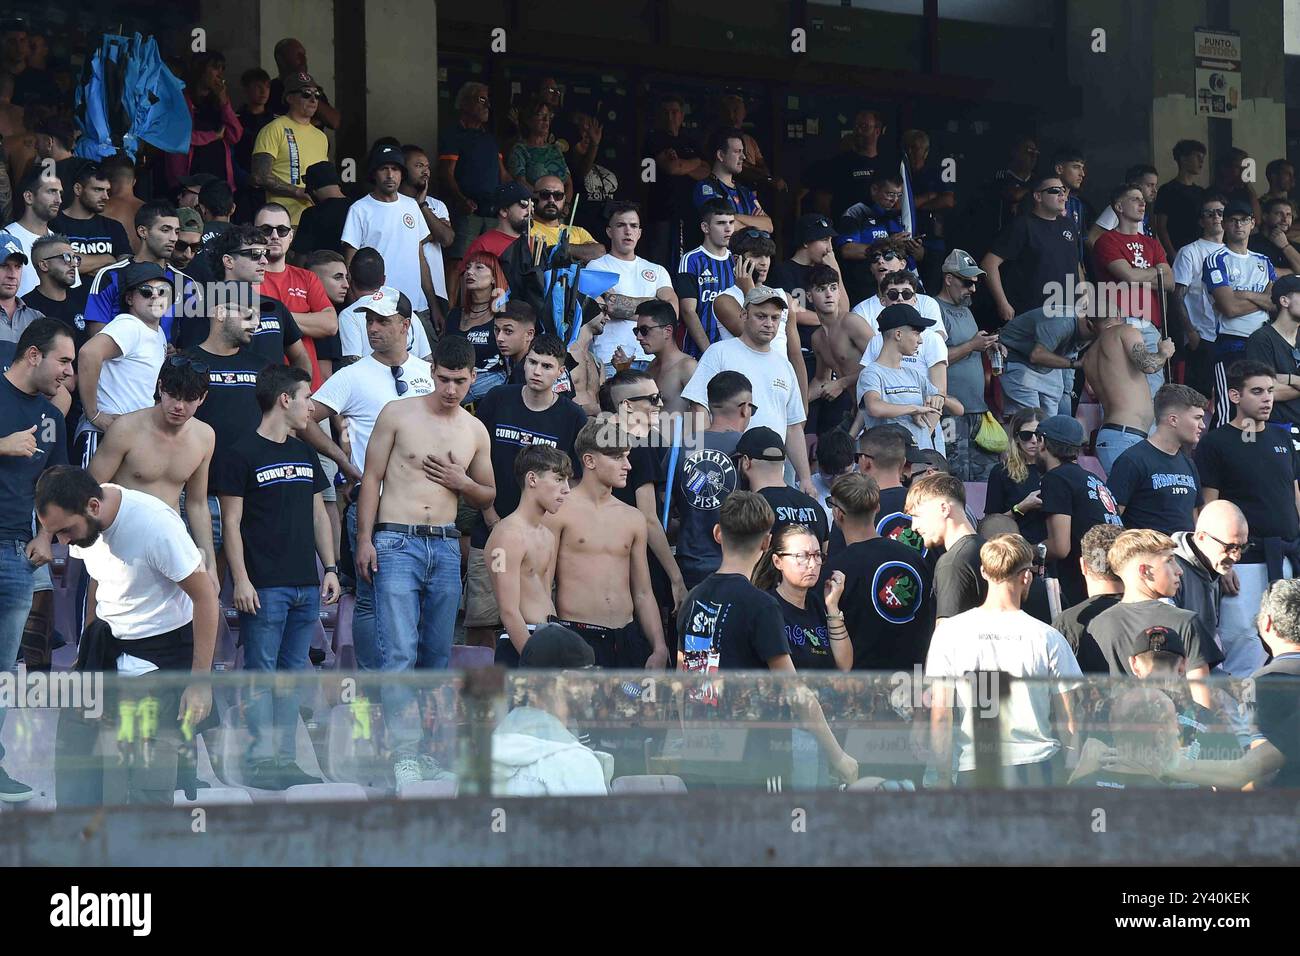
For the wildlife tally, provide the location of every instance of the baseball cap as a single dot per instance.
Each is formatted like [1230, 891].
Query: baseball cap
[191, 221]
[388, 156]
[386, 301]
[899, 315]
[1159, 638]
[507, 194]
[297, 82]
[1286, 285]
[961, 263]
[198, 180]
[322, 174]
[1063, 429]
[762, 293]
[927, 456]
[11, 247]
[138, 273]
[1238, 208]
[555, 646]
[761, 444]
[811, 227]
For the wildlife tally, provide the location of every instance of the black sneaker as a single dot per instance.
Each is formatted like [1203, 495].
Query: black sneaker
[11, 791]
[264, 774]
[291, 775]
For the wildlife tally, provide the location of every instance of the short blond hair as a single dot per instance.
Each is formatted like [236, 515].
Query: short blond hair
[1131, 545]
[1004, 556]
[857, 494]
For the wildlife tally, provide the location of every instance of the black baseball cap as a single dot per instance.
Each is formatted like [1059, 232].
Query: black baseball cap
[1286, 285]
[899, 315]
[320, 175]
[1238, 208]
[138, 273]
[761, 444]
[555, 646]
[811, 227]
[507, 194]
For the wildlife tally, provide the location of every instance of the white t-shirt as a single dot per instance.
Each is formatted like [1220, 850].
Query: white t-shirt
[1188, 270]
[433, 252]
[126, 383]
[137, 562]
[30, 280]
[354, 341]
[640, 279]
[1019, 645]
[396, 230]
[360, 392]
[779, 343]
[934, 347]
[775, 388]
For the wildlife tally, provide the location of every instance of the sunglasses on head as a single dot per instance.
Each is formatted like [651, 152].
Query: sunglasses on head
[893, 295]
[150, 291]
[270, 231]
[550, 194]
[756, 234]
[184, 361]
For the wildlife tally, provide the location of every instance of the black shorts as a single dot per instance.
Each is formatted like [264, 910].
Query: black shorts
[623, 648]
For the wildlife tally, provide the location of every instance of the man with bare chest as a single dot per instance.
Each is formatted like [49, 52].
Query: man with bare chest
[655, 330]
[522, 550]
[423, 453]
[1117, 367]
[602, 572]
[838, 345]
[163, 449]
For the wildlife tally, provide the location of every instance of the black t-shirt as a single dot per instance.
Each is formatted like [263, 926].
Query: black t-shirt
[278, 482]
[1182, 206]
[511, 426]
[893, 521]
[1156, 490]
[71, 311]
[1037, 252]
[321, 226]
[1267, 345]
[1073, 621]
[807, 631]
[487, 357]
[276, 331]
[1257, 476]
[231, 406]
[96, 236]
[848, 176]
[19, 412]
[728, 624]
[958, 584]
[217, 227]
[702, 480]
[791, 276]
[1277, 712]
[647, 469]
[792, 506]
[1069, 490]
[1003, 494]
[1123, 630]
[669, 196]
[885, 602]
[1270, 250]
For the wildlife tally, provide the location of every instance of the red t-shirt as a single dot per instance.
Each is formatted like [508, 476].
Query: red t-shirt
[1141, 252]
[301, 291]
[494, 241]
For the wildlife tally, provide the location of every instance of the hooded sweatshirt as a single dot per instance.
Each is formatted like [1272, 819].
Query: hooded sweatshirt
[1199, 589]
[534, 755]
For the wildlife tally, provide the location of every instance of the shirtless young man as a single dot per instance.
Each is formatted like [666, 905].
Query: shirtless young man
[602, 572]
[522, 578]
[162, 449]
[425, 451]
[1117, 367]
[656, 324]
[839, 344]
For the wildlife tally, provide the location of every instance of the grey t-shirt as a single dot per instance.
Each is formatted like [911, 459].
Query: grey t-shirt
[907, 385]
[1056, 333]
[966, 377]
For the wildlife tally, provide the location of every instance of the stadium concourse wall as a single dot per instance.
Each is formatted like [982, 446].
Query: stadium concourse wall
[1007, 828]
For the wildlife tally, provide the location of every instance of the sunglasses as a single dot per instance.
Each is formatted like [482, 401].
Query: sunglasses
[885, 257]
[255, 255]
[756, 234]
[270, 231]
[1026, 435]
[968, 283]
[1055, 190]
[184, 361]
[400, 385]
[71, 258]
[893, 295]
[184, 246]
[653, 399]
[1229, 547]
[1212, 213]
[550, 194]
[309, 94]
[644, 330]
[151, 291]
[753, 409]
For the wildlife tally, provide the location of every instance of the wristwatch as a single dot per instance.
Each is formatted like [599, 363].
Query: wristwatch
[331, 569]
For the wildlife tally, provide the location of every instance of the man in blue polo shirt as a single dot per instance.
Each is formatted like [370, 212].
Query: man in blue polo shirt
[470, 168]
[728, 160]
[34, 439]
[867, 222]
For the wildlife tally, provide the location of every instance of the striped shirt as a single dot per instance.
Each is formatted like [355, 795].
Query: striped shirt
[702, 276]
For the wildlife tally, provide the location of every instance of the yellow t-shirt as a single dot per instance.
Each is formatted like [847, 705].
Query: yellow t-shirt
[551, 234]
[295, 146]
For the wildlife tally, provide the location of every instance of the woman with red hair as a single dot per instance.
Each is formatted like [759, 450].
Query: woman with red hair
[481, 283]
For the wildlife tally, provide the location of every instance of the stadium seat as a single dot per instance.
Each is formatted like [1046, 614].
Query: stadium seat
[429, 789]
[648, 783]
[324, 793]
[976, 493]
[466, 657]
[1090, 464]
[344, 652]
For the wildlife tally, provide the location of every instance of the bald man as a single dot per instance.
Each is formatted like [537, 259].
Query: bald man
[549, 219]
[1207, 556]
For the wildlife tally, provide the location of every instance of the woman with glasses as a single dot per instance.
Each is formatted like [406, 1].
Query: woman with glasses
[533, 156]
[1013, 483]
[482, 283]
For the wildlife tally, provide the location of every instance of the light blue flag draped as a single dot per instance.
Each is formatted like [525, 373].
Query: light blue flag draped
[128, 95]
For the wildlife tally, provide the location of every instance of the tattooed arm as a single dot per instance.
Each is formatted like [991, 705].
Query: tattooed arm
[267, 180]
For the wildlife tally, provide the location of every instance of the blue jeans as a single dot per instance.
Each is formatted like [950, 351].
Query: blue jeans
[1112, 443]
[16, 587]
[1025, 387]
[277, 639]
[1151, 339]
[484, 383]
[417, 594]
[365, 636]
